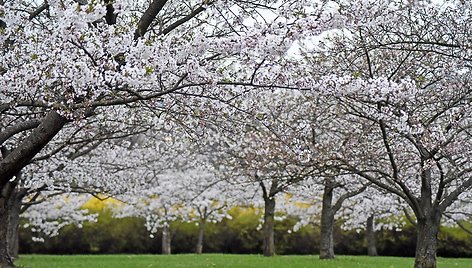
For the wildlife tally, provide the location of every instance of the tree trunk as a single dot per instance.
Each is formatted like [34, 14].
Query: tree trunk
[327, 242]
[5, 258]
[268, 228]
[201, 231]
[14, 214]
[426, 243]
[166, 240]
[370, 233]
[327, 222]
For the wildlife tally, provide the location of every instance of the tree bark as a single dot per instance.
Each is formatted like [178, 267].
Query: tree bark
[268, 228]
[201, 231]
[166, 240]
[370, 233]
[327, 222]
[5, 258]
[428, 218]
[426, 244]
[14, 214]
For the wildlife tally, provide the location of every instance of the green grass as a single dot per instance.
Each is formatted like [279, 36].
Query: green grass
[221, 260]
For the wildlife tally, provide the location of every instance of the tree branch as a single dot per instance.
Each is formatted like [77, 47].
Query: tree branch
[460, 224]
[20, 127]
[347, 195]
[449, 199]
[22, 155]
[149, 15]
[409, 217]
[39, 10]
[264, 190]
[183, 20]
[412, 200]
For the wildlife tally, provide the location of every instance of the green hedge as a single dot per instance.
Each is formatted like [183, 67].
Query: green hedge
[238, 235]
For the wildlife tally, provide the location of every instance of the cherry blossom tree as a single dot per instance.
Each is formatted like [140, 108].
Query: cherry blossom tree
[209, 197]
[404, 89]
[159, 206]
[321, 201]
[373, 210]
[265, 148]
[334, 188]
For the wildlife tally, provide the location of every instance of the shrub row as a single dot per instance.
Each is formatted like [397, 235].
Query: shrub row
[239, 235]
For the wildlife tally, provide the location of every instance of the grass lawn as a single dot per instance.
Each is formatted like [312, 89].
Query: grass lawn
[221, 260]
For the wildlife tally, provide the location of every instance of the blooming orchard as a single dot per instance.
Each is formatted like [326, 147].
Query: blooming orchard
[384, 95]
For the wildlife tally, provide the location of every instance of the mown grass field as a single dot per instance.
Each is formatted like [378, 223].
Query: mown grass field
[221, 260]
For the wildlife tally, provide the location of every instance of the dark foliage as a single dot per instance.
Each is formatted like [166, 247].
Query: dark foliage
[237, 236]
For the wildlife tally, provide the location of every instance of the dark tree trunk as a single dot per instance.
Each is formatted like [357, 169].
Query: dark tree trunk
[327, 222]
[11, 165]
[370, 233]
[166, 240]
[201, 231]
[426, 243]
[5, 258]
[14, 214]
[327, 242]
[268, 228]
[428, 218]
